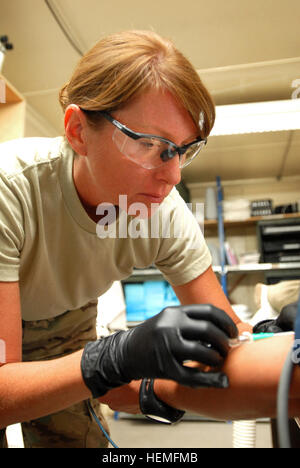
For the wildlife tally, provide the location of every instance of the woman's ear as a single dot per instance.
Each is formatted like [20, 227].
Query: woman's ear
[75, 124]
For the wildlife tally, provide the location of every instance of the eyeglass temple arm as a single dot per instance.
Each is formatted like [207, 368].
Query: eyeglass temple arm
[120, 126]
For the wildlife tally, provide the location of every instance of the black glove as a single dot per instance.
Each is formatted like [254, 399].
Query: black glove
[284, 322]
[158, 348]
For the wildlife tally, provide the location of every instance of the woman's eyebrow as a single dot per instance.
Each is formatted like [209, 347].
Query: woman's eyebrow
[155, 131]
[151, 129]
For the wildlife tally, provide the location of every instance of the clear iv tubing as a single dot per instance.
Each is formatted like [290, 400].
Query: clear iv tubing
[247, 337]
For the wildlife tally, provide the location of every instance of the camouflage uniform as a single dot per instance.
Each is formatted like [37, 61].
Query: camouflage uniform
[3, 443]
[73, 427]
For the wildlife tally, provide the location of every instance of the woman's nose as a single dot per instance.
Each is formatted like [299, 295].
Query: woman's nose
[170, 171]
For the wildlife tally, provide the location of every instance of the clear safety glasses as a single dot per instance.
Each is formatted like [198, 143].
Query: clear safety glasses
[151, 151]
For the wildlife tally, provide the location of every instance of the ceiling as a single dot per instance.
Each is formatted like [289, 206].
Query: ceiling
[245, 51]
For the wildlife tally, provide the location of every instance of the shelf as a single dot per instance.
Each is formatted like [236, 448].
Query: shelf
[257, 267]
[155, 274]
[152, 273]
[12, 113]
[141, 275]
[249, 221]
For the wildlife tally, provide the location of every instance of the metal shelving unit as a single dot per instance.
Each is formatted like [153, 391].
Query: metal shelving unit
[281, 269]
[153, 273]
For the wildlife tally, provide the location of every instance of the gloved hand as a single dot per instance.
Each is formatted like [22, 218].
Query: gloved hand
[284, 322]
[158, 347]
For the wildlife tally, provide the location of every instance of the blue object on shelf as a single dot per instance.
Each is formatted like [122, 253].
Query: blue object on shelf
[144, 300]
[154, 297]
[134, 299]
[221, 236]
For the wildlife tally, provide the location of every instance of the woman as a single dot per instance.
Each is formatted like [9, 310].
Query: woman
[135, 112]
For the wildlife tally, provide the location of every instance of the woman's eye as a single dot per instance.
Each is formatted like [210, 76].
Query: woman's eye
[146, 144]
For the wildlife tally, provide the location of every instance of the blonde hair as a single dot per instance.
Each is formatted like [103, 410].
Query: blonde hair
[125, 64]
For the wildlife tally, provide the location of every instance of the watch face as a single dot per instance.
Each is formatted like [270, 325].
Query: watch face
[158, 419]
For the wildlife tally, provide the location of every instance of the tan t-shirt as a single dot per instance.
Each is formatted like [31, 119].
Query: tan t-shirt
[61, 258]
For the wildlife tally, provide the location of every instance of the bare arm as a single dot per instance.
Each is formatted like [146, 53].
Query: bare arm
[35, 389]
[31, 390]
[253, 370]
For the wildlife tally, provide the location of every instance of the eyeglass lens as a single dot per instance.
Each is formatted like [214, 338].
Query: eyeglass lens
[152, 152]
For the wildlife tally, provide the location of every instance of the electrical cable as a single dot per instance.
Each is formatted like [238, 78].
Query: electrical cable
[221, 235]
[285, 155]
[284, 389]
[283, 402]
[62, 27]
[100, 425]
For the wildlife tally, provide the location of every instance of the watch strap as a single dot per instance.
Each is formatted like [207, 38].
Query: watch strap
[155, 409]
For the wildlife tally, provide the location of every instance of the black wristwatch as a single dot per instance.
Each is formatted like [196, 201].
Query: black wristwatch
[155, 409]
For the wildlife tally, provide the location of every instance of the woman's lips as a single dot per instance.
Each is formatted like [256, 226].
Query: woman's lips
[153, 197]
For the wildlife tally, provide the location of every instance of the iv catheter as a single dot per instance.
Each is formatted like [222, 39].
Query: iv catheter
[247, 337]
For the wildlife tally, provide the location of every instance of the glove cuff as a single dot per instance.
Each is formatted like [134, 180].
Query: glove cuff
[155, 409]
[99, 367]
[267, 326]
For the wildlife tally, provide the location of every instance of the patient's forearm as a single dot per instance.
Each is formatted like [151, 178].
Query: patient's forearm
[254, 371]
